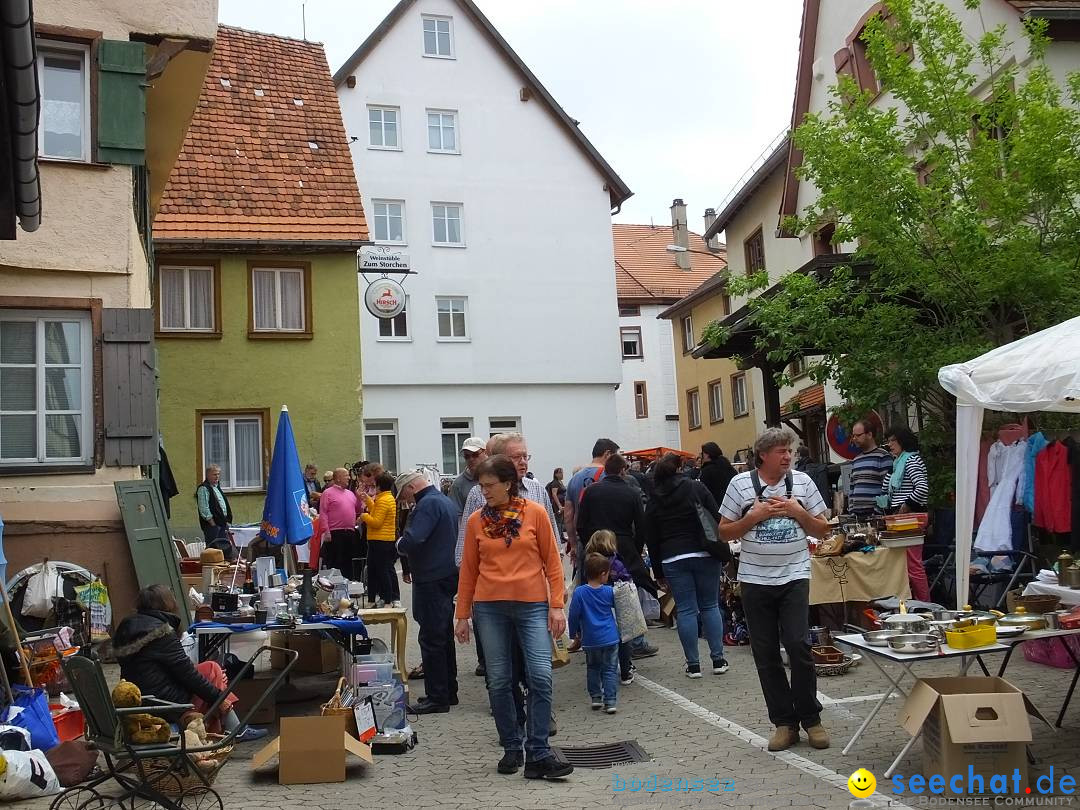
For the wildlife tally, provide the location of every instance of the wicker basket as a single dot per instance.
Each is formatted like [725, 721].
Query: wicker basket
[1036, 603]
[333, 707]
[175, 777]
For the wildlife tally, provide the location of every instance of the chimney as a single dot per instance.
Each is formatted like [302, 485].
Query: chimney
[713, 243]
[680, 233]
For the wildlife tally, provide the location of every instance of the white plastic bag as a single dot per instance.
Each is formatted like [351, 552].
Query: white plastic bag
[41, 589]
[28, 776]
[628, 613]
[650, 607]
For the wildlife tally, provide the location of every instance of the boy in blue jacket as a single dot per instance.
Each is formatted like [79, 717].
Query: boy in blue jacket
[592, 615]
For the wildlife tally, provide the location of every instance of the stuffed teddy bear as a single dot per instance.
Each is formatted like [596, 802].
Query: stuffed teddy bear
[139, 729]
[195, 736]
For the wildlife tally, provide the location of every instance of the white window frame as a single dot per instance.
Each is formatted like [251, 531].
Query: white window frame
[187, 327]
[373, 428]
[739, 392]
[623, 332]
[641, 399]
[47, 47]
[230, 475]
[455, 128]
[375, 219]
[447, 218]
[450, 33]
[507, 428]
[384, 108]
[278, 273]
[465, 318]
[693, 408]
[716, 401]
[395, 338]
[86, 384]
[687, 333]
[461, 429]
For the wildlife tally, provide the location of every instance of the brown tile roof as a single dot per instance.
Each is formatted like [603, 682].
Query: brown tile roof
[645, 271]
[807, 399]
[266, 155]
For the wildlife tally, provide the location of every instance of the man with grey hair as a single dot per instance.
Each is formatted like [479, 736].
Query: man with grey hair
[772, 510]
[215, 514]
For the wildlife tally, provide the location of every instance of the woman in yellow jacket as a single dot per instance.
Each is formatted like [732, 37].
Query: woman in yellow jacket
[381, 522]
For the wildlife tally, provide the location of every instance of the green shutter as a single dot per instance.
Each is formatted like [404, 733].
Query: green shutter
[121, 102]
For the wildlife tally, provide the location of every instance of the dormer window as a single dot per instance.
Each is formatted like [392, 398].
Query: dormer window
[438, 37]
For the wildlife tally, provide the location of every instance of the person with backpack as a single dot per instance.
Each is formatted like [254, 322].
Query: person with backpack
[772, 510]
[686, 559]
[575, 489]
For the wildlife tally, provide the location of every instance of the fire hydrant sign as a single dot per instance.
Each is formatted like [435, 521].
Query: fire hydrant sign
[383, 259]
[385, 298]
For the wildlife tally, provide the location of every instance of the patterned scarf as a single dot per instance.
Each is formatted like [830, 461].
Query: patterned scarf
[504, 522]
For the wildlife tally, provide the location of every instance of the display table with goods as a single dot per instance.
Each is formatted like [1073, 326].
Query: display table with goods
[1068, 596]
[1056, 646]
[858, 576]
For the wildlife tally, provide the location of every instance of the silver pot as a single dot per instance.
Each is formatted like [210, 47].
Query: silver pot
[915, 642]
[906, 623]
[879, 638]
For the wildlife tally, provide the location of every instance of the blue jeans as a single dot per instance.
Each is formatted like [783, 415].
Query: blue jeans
[602, 673]
[495, 623]
[695, 585]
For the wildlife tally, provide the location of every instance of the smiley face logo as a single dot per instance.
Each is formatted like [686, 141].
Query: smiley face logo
[861, 783]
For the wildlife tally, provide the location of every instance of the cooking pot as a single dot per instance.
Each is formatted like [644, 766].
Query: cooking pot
[981, 616]
[907, 623]
[1021, 618]
[1070, 577]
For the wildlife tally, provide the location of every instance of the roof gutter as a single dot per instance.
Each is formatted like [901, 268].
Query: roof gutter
[1053, 13]
[259, 245]
[24, 100]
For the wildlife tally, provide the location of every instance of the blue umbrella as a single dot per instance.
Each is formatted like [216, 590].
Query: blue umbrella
[286, 516]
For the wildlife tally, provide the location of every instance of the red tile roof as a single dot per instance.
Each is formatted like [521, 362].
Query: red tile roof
[807, 399]
[646, 271]
[266, 156]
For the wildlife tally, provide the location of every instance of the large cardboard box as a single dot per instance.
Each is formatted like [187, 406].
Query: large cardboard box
[311, 750]
[972, 723]
[316, 655]
[248, 691]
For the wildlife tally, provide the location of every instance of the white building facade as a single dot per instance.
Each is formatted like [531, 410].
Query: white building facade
[647, 407]
[469, 166]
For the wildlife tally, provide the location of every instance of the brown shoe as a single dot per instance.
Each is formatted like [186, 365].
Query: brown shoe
[817, 736]
[783, 738]
[574, 645]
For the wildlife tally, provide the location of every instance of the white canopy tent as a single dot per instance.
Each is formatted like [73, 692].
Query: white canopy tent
[1040, 372]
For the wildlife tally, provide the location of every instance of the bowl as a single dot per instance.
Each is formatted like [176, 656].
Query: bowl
[914, 643]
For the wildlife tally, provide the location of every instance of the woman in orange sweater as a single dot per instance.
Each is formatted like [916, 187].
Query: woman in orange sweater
[511, 583]
[380, 519]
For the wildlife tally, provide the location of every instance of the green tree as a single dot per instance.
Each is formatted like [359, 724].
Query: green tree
[961, 187]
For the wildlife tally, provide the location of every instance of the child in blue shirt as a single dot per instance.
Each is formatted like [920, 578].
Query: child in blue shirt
[592, 615]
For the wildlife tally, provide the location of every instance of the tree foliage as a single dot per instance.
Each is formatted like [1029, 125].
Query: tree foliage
[960, 185]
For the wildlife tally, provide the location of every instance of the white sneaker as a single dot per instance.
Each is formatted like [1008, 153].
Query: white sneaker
[396, 603]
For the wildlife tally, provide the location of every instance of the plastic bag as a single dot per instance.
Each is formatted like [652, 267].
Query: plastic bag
[28, 774]
[650, 607]
[14, 738]
[31, 711]
[41, 589]
[628, 613]
[95, 598]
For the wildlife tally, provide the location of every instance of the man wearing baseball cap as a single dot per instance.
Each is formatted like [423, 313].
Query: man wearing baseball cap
[474, 449]
[429, 542]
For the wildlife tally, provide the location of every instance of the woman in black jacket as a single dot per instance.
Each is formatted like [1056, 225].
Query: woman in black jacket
[677, 552]
[148, 649]
[716, 470]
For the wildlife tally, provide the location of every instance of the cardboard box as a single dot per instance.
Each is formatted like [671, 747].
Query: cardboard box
[278, 638]
[667, 609]
[250, 690]
[311, 750]
[316, 655]
[970, 722]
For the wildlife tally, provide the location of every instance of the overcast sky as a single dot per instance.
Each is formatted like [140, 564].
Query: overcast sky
[680, 96]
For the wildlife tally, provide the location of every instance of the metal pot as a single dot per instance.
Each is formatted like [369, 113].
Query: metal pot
[879, 638]
[981, 616]
[1021, 618]
[914, 642]
[1070, 577]
[906, 623]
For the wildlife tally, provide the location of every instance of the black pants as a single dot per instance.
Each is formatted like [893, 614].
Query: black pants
[382, 576]
[775, 614]
[344, 546]
[433, 609]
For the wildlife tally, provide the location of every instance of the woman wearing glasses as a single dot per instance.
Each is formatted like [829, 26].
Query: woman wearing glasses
[511, 583]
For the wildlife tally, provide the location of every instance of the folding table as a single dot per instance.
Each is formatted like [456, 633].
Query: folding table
[1035, 635]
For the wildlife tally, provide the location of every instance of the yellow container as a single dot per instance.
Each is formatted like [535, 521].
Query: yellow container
[965, 638]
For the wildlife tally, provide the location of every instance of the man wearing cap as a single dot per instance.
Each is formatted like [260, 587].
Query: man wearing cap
[474, 449]
[428, 542]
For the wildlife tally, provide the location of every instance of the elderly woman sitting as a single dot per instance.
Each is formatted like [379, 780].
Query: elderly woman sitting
[147, 646]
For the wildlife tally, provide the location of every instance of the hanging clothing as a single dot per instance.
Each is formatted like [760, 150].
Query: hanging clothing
[1074, 467]
[1053, 489]
[1006, 467]
[166, 480]
[982, 492]
[1036, 444]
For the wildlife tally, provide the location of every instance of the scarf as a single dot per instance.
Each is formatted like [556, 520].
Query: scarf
[504, 522]
[885, 501]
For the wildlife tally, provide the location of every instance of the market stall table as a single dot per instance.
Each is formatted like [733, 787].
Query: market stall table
[906, 662]
[1035, 635]
[859, 577]
[212, 636]
[1068, 596]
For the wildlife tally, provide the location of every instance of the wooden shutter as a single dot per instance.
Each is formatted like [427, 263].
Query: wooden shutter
[843, 63]
[121, 118]
[130, 390]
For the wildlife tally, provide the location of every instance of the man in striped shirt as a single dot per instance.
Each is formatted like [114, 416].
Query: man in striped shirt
[869, 469]
[772, 510]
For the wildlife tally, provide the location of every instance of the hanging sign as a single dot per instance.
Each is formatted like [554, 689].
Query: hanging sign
[382, 259]
[385, 298]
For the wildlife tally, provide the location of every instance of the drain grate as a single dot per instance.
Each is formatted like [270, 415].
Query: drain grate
[605, 755]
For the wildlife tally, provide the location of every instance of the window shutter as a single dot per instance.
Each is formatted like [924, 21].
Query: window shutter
[842, 61]
[121, 119]
[130, 390]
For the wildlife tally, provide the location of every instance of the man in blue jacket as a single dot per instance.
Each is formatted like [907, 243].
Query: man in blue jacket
[429, 542]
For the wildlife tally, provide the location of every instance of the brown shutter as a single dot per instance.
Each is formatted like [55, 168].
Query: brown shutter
[130, 390]
[842, 61]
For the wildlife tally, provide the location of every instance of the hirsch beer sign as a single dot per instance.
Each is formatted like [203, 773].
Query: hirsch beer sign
[383, 259]
[385, 298]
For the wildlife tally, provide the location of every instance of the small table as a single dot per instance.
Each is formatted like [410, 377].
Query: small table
[211, 637]
[906, 662]
[1068, 596]
[1035, 635]
[400, 631]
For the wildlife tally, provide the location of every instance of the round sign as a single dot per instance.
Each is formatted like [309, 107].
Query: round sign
[385, 298]
[839, 436]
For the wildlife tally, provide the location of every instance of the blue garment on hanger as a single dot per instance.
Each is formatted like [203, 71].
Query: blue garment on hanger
[1037, 442]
